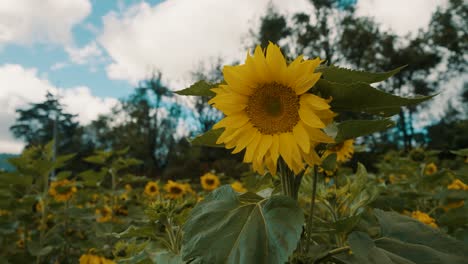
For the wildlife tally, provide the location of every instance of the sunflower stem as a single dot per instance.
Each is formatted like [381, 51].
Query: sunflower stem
[289, 182]
[312, 206]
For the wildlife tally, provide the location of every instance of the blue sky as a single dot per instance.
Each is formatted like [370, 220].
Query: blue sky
[92, 52]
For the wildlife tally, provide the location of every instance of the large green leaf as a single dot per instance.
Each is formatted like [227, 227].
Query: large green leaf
[356, 128]
[227, 228]
[342, 75]
[208, 138]
[404, 241]
[361, 97]
[200, 88]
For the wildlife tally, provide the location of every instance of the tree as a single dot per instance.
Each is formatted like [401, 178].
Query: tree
[146, 122]
[36, 124]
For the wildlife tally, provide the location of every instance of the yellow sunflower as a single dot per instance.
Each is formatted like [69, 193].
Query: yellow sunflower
[453, 205]
[457, 185]
[424, 218]
[430, 169]
[62, 190]
[93, 259]
[238, 187]
[344, 150]
[104, 214]
[152, 189]
[209, 181]
[269, 113]
[174, 190]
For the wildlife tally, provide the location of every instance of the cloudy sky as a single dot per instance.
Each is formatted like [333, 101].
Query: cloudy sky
[92, 52]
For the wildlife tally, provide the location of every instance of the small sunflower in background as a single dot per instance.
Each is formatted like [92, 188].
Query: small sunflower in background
[152, 189]
[430, 169]
[209, 181]
[424, 218]
[62, 190]
[344, 150]
[93, 259]
[128, 187]
[238, 187]
[174, 189]
[457, 185]
[104, 214]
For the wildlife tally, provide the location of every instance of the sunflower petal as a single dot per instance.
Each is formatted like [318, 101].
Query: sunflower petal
[310, 118]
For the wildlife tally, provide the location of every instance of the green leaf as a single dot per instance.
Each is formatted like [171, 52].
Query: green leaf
[133, 231]
[411, 239]
[364, 248]
[356, 128]
[63, 175]
[226, 228]
[361, 97]
[92, 178]
[329, 163]
[460, 152]
[35, 249]
[343, 75]
[15, 179]
[166, 257]
[208, 138]
[200, 88]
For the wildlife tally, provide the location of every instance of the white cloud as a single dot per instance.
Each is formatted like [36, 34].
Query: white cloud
[85, 55]
[31, 21]
[20, 86]
[176, 36]
[400, 16]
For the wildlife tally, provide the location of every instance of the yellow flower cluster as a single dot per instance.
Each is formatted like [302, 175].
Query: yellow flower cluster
[93, 259]
[175, 190]
[430, 169]
[457, 185]
[103, 214]
[62, 190]
[344, 150]
[424, 218]
[238, 187]
[152, 189]
[209, 181]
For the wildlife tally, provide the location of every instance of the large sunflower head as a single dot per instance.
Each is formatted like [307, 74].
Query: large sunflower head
[209, 181]
[269, 112]
[152, 189]
[344, 150]
[174, 190]
[62, 190]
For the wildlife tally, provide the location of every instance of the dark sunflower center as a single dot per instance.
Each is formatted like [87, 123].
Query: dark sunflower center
[176, 190]
[152, 189]
[273, 108]
[209, 181]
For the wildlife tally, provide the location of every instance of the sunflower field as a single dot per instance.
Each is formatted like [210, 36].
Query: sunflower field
[294, 190]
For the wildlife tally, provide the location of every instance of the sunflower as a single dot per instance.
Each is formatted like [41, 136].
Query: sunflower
[457, 185]
[430, 169]
[344, 150]
[424, 218]
[152, 189]
[269, 113]
[174, 190]
[128, 187]
[62, 190]
[453, 205]
[93, 259]
[104, 214]
[209, 181]
[238, 187]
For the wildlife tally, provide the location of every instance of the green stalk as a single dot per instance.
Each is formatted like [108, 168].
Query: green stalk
[312, 207]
